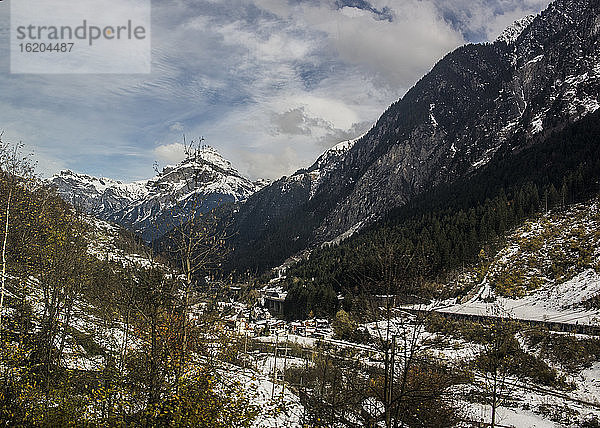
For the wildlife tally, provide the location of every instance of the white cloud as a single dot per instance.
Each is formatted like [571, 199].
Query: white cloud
[293, 121]
[177, 126]
[400, 51]
[170, 153]
[278, 161]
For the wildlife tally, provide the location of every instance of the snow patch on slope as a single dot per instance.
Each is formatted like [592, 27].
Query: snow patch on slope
[537, 123]
[347, 234]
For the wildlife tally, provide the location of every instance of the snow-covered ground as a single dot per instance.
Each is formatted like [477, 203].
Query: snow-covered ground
[546, 305]
[552, 267]
[102, 245]
[588, 383]
[279, 406]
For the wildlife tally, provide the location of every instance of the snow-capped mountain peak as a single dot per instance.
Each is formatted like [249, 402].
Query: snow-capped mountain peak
[97, 195]
[99, 184]
[140, 206]
[210, 155]
[513, 31]
[333, 155]
[202, 155]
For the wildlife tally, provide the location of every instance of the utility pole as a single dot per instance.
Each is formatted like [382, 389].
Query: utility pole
[284, 365]
[275, 364]
[245, 346]
[393, 362]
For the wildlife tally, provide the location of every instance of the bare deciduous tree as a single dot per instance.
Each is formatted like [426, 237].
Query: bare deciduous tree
[196, 240]
[14, 167]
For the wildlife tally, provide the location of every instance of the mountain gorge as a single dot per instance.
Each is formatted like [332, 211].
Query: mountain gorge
[441, 270]
[479, 103]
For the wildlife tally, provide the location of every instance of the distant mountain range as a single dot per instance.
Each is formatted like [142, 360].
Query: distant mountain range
[146, 207]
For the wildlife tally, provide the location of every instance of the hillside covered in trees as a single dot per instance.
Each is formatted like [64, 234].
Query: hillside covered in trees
[93, 326]
[447, 228]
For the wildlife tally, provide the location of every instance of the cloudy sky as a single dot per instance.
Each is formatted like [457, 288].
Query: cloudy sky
[269, 83]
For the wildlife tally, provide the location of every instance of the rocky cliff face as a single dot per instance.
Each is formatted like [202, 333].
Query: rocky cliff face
[541, 74]
[471, 103]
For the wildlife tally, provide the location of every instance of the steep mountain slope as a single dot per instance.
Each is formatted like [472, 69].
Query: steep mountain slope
[476, 100]
[205, 179]
[548, 252]
[548, 270]
[473, 100]
[445, 228]
[283, 210]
